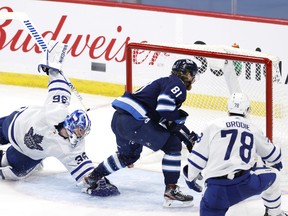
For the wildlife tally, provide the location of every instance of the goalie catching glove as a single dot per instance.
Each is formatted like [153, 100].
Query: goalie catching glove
[192, 184]
[102, 188]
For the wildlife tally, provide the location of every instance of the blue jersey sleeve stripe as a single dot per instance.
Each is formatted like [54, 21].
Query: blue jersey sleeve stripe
[274, 200]
[165, 103]
[80, 166]
[195, 165]
[199, 155]
[132, 107]
[272, 152]
[60, 89]
[58, 81]
[278, 157]
[83, 173]
[161, 107]
[166, 98]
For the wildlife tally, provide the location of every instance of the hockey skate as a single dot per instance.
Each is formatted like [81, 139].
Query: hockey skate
[173, 197]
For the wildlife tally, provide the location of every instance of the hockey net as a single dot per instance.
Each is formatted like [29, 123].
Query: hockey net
[223, 70]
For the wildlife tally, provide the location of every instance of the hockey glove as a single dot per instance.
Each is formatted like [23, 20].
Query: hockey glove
[175, 126]
[192, 184]
[188, 138]
[102, 188]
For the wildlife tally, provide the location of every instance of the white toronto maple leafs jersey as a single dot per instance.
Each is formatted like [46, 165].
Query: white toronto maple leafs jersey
[228, 145]
[33, 133]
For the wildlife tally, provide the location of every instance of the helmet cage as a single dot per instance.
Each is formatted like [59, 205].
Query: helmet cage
[77, 119]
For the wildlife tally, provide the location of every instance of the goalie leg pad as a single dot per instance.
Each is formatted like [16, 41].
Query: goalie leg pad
[9, 174]
[19, 164]
[4, 125]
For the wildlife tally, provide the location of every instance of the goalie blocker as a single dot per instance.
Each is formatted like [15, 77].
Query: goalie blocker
[53, 57]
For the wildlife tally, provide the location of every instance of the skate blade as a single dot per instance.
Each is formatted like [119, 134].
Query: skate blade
[177, 204]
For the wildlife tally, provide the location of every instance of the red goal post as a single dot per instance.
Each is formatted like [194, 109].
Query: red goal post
[200, 51]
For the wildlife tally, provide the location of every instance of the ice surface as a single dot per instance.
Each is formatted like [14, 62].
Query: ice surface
[52, 191]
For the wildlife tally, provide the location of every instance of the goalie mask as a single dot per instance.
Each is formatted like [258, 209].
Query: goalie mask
[77, 125]
[239, 104]
[186, 70]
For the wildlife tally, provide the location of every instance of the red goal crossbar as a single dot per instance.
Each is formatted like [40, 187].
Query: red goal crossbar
[202, 53]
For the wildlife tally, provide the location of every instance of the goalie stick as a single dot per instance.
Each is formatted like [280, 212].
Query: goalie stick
[24, 19]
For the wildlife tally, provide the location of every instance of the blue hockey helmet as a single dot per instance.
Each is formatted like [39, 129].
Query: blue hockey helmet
[77, 120]
[182, 68]
[185, 65]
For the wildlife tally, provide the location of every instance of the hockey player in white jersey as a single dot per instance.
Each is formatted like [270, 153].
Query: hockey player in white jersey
[227, 156]
[38, 132]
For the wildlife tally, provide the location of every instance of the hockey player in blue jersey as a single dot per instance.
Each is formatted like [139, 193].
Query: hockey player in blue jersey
[38, 132]
[152, 117]
[227, 155]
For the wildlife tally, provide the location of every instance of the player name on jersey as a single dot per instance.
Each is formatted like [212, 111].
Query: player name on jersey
[237, 124]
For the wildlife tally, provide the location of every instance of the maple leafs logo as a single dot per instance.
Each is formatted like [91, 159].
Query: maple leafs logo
[33, 141]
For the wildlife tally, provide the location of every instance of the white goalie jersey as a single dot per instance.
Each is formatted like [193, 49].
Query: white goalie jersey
[229, 145]
[33, 132]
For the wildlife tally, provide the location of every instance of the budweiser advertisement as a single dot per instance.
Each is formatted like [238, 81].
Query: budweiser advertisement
[97, 37]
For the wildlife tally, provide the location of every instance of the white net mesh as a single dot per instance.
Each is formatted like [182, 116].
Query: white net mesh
[219, 78]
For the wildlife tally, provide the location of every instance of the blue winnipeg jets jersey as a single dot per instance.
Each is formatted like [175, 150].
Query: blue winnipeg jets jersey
[32, 130]
[157, 100]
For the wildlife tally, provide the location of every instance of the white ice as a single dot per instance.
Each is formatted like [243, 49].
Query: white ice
[52, 191]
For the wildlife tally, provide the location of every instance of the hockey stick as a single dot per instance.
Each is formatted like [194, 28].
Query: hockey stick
[24, 19]
[186, 136]
[189, 139]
